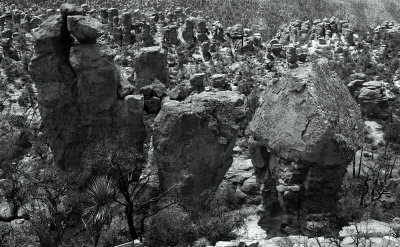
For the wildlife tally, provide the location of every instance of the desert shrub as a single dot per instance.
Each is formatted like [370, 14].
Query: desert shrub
[365, 195]
[394, 64]
[349, 204]
[115, 234]
[25, 139]
[14, 143]
[200, 218]
[343, 70]
[11, 69]
[25, 99]
[6, 64]
[246, 86]
[391, 130]
[227, 196]
[50, 199]
[3, 83]
[392, 210]
[364, 62]
[170, 228]
[248, 72]
[218, 225]
[368, 139]
[40, 149]
[395, 106]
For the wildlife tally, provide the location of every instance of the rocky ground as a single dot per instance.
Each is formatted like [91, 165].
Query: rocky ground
[286, 124]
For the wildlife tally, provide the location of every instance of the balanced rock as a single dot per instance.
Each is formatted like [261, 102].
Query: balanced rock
[373, 100]
[112, 12]
[197, 80]
[219, 81]
[201, 30]
[305, 133]
[291, 54]
[188, 31]
[85, 29]
[68, 9]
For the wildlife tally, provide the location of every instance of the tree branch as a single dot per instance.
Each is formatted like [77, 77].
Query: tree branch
[13, 217]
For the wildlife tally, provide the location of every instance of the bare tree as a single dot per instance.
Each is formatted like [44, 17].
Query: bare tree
[376, 177]
[37, 192]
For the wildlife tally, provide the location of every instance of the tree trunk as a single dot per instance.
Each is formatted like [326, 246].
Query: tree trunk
[97, 236]
[129, 216]
[359, 165]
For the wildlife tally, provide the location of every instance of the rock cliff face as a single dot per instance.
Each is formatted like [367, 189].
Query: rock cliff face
[194, 139]
[78, 89]
[305, 133]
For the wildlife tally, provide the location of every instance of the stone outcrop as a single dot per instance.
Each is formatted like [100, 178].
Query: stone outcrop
[84, 28]
[151, 64]
[171, 35]
[78, 90]
[153, 95]
[305, 133]
[197, 80]
[181, 91]
[187, 32]
[126, 23]
[201, 30]
[236, 34]
[373, 99]
[373, 96]
[193, 140]
[219, 81]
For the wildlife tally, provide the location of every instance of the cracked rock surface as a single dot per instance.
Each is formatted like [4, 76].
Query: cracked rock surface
[194, 139]
[78, 90]
[305, 120]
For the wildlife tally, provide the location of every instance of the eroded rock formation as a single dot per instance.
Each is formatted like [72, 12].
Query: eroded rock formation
[78, 88]
[305, 133]
[373, 99]
[151, 64]
[194, 139]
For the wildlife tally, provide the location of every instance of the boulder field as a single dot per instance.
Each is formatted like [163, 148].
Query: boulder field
[302, 132]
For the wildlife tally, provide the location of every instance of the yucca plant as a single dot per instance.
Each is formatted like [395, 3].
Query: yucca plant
[100, 195]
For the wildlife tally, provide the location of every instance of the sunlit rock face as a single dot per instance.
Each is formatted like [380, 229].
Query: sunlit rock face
[304, 134]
